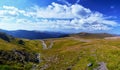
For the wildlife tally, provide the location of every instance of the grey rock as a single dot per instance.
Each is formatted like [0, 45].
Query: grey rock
[90, 64]
[102, 66]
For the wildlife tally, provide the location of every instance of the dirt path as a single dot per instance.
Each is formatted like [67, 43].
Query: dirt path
[44, 45]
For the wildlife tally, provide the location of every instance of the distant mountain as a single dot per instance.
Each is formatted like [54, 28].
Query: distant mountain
[34, 34]
[91, 35]
[46, 34]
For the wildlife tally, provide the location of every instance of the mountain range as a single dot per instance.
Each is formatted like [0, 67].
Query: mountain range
[34, 34]
[46, 34]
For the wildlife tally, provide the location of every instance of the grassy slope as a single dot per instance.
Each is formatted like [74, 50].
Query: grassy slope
[30, 47]
[70, 53]
[91, 35]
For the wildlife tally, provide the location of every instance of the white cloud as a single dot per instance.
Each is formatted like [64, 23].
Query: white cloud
[56, 16]
[64, 1]
[56, 10]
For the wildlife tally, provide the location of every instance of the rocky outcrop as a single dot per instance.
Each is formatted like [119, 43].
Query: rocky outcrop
[19, 56]
[21, 42]
[102, 66]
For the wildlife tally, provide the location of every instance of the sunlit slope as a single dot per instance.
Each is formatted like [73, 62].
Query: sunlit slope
[68, 53]
[19, 54]
[91, 35]
[65, 54]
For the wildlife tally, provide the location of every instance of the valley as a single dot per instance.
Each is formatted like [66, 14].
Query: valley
[66, 53]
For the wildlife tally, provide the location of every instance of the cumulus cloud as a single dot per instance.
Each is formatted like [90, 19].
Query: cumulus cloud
[56, 10]
[56, 16]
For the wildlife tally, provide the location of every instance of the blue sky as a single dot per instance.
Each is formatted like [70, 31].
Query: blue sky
[61, 15]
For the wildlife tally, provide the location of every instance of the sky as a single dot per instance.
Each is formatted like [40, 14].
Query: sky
[61, 15]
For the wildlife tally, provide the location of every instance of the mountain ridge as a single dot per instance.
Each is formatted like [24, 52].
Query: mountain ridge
[46, 34]
[34, 34]
[92, 35]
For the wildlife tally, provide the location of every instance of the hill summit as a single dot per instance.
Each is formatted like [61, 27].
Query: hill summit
[91, 35]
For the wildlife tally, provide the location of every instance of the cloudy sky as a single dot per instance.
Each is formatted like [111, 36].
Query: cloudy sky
[61, 15]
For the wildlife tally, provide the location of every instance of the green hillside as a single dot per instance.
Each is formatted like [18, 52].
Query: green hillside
[91, 35]
[68, 53]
